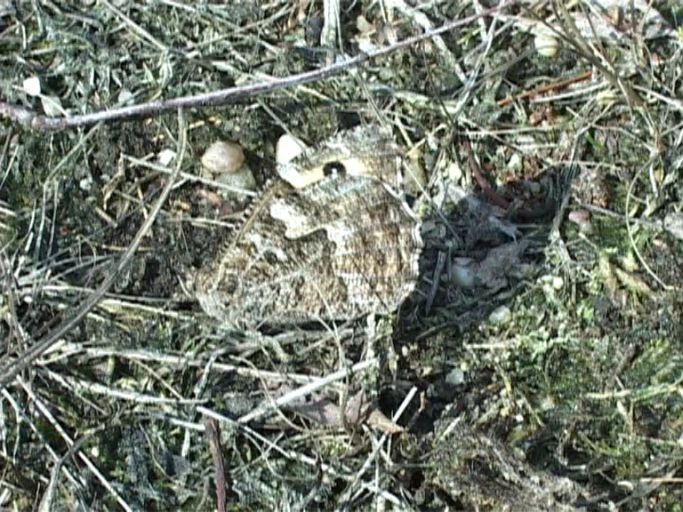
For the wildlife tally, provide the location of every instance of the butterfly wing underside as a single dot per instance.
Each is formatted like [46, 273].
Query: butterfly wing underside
[337, 248]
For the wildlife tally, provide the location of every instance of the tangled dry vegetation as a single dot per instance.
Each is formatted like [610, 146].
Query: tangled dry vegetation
[553, 383]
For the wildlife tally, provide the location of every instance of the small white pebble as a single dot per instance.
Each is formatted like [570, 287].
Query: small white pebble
[673, 223]
[85, 183]
[165, 156]
[582, 218]
[535, 188]
[242, 179]
[52, 106]
[607, 97]
[363, 25]
[500, 316]
[550, 283]
[366, 45]
[546, 43]
[453, 172]
[515, 163]
[288, 148]
[462, 273]
[125, 97]
[32, 86]
[548, 403]
[455, 377]
[223, 157]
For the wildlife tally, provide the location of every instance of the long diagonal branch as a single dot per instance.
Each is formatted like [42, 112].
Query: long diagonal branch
[230, 95]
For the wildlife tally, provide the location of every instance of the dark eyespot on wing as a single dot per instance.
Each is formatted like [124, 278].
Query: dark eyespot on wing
[331, 168]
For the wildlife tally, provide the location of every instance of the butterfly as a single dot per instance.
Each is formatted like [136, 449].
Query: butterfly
[331, 238]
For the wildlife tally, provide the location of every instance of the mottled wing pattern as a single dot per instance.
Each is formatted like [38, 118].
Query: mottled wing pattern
[336, 248]
[364, 151]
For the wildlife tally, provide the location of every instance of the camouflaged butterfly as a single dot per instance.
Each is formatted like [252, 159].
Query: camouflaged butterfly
[331, 239]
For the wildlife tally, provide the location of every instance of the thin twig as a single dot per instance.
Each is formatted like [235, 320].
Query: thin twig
[479, 178]
[546, 88]
[39, 122]
[213, 434]
[345, 498]
[269, 406]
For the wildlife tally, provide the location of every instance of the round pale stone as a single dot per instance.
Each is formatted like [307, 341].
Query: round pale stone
[223, 157]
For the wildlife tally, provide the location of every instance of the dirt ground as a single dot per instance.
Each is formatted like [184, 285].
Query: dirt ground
[538, 365]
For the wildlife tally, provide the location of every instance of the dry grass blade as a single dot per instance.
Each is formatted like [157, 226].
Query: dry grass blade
[11, 367]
